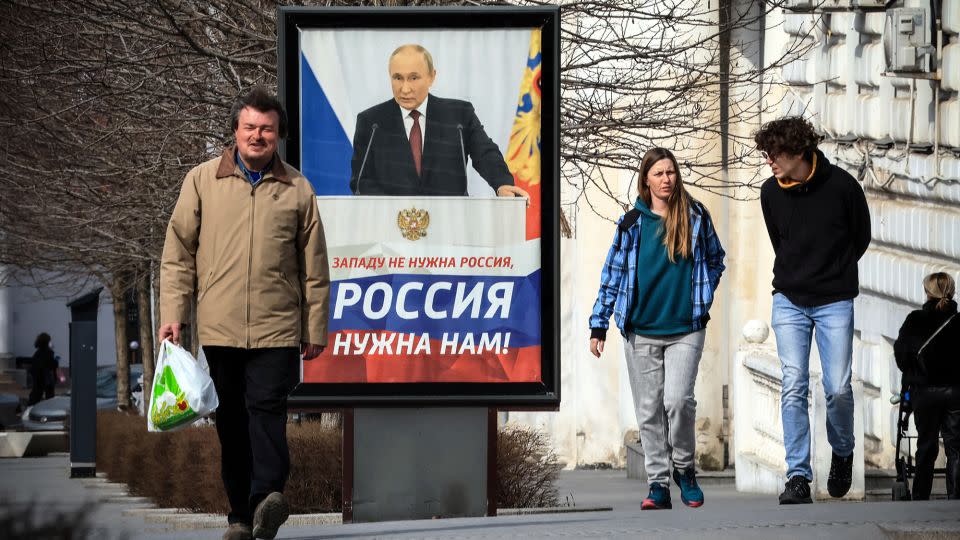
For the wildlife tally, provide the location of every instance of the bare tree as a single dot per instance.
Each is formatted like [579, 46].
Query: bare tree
[147, 331]
[93, 162]
[108, 103]
[644, 73]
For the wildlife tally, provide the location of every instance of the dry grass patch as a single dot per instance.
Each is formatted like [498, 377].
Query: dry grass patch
[527, 469]
[182, 469]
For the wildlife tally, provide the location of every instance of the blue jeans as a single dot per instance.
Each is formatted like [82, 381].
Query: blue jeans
[794, 326]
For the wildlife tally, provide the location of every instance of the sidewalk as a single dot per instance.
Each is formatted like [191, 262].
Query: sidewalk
[726, 514]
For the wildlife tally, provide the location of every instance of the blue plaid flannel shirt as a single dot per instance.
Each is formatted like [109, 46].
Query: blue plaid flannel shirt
[619, 275]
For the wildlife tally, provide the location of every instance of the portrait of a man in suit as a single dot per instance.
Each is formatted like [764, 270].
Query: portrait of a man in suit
[421, 144]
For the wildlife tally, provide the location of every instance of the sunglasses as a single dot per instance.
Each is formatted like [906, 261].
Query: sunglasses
[766, 155]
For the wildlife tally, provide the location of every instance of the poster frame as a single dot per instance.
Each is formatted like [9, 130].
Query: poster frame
[539, 395]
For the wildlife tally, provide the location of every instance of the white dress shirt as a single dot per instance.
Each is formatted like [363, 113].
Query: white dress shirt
[408, 120]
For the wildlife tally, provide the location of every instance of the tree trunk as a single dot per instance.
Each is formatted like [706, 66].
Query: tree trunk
[118, 291]
[146, 334]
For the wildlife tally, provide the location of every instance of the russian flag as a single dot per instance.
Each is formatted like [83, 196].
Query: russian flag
[344, 72]
[523, 155]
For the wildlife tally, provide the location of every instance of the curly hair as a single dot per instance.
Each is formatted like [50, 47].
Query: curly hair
[791, 135]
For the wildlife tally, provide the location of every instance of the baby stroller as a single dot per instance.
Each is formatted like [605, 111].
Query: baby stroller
[905, 465]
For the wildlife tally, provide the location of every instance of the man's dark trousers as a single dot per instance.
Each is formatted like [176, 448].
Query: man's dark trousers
[252, 386]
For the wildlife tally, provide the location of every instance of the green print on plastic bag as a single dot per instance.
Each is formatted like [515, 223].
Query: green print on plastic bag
[170, 407]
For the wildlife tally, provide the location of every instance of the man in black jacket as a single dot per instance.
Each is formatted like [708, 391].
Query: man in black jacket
[418, 143]
[819, 224]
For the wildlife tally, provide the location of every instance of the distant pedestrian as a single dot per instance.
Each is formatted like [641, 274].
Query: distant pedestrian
[819, 225]
[246, 239]
[658, 282]
[43, 370]
[928, 352]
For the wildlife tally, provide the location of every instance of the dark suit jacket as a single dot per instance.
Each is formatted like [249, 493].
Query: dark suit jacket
[389, 168]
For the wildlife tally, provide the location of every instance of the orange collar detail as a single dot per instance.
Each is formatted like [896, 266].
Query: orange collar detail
[787, 184]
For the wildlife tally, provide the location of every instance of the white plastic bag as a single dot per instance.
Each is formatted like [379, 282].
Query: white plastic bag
[182, 390]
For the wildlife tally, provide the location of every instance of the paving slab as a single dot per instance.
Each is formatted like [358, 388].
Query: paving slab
[726, 514]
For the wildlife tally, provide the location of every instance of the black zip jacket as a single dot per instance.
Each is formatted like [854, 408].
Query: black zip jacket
[942, 355]
[819, 230]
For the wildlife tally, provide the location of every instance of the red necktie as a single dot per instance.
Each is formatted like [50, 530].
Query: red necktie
[416, 140]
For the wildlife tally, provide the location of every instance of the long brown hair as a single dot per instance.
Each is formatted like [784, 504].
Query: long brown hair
[676, 235]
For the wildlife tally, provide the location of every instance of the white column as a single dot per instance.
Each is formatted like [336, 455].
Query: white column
[757, 432]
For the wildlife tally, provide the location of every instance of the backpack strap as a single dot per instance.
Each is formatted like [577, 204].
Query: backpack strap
[929, 339]
[629, 219]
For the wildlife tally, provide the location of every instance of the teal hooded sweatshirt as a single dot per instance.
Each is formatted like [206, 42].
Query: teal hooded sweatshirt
[663, 303]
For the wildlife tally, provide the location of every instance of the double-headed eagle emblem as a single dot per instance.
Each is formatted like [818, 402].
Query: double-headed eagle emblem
[413, 223]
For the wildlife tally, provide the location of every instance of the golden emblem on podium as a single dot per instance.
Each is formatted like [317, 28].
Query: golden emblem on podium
[413, 223]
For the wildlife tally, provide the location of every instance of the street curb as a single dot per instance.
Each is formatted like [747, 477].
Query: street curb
[146, 511]
[551, 510]
[143, 502]
[928, 530]
[113, 492]
[96, 480]
[96, 484]
[179, 519]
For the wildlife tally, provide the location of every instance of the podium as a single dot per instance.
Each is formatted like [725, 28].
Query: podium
[453, 221]
[408, 458]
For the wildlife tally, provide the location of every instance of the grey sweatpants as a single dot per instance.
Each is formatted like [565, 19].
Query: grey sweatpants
[663, 370]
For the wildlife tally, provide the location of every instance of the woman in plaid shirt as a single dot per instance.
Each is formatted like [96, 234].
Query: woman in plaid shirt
[658, 282]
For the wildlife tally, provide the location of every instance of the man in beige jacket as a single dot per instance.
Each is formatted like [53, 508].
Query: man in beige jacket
[246, 238]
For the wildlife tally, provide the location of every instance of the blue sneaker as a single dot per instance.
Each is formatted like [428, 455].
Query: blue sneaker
[690, 492]
[658, 499]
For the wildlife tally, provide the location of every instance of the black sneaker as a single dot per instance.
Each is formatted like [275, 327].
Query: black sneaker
[796, 491]
[841, 475]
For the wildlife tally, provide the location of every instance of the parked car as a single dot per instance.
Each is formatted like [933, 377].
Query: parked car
[10, 411]
[51, 414]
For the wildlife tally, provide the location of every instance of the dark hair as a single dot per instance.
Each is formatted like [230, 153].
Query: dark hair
[42, 341]
[261, 99]
[676, 234]
[791, 135]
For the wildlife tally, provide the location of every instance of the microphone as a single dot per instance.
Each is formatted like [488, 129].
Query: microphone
[463, 154]
[373, 131]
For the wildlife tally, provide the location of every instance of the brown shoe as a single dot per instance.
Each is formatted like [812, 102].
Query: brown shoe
[270, 514]
[238, 531]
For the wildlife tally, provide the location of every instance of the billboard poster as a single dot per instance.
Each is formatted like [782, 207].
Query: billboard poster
[425, 147]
